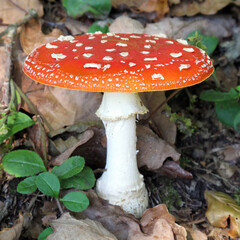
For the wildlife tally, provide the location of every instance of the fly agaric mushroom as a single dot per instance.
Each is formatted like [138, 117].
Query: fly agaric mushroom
[121, 65]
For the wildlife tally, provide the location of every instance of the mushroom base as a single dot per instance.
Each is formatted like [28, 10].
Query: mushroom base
[133, 201]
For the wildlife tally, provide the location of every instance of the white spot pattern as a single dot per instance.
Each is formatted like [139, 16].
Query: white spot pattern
[49, 46]
[58, 56]
[176, 55]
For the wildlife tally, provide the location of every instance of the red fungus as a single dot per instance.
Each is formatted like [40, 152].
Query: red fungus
[119, 65]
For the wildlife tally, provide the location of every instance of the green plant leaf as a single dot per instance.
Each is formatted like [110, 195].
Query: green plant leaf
[237, 88]
[69, 168]
[228, 113]
[75, 201]
[27, 186]
[16, 122]
[83, 180]
[99, 26]
[23, 163]
[99, 8]
[45, 233]
[210, 42]
[48, 184]
[217, 96]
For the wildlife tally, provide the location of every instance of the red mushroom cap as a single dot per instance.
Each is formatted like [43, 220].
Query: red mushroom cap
[118, 63]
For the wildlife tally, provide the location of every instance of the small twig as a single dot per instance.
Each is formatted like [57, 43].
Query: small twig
[197, 221]
[163, 103]
[7, 65]
[31, 106]
[10, 33]
[31, 14]
[17, 6]
[32, 201]
[59, 206]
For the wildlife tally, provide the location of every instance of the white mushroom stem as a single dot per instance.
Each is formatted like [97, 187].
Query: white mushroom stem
[122, 184]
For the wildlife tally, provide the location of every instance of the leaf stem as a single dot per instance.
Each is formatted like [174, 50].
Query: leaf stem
[39, 120]
[59, 206]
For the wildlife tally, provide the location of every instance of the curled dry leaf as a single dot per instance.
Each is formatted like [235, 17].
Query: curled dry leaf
[232, 153]
[12, 13]
[94, 150]
[125, 24]
[232, 48]
[152, 216]
[161, 7]
[87, 135]
[177, 27]
[68, 228]
[227, 76]
[223, 212]
[36, 135]
[174, 170]
[153, 151]
[204, 7]
[49, 212]
[126, 227]
[14, 232]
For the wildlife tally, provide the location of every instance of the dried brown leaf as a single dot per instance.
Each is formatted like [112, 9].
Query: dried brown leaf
[161, 123]
[87, 135]
[196, 234]
[161, 7]
[153, 151]
[69, 228]
[227, 76]
[176, 27]
[31, 36]
[162, 231]
[14, 232]
[113, 218]
[223, 212]
[152, 215]
[49, 211]
[125, 24]
[126, 227]
[232, 153]
[190, 8]
[174, 170]
[94, 150]
[75, 26]
[36, 134]
[11, 13]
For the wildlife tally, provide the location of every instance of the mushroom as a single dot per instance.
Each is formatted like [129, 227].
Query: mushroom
[120, 65]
